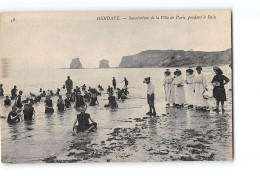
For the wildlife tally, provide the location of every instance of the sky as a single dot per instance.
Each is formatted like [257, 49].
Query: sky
[53, 39]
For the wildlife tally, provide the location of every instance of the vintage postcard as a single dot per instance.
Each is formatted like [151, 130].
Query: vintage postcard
[128, 86]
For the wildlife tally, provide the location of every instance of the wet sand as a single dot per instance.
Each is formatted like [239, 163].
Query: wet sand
[204, 136]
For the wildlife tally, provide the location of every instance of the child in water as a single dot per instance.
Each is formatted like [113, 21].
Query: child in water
[83, 122]
[19, 100]
[67, 100]
[7, 101]
[60, 104]
[28, 112]
[13, 93]
[13, 116]
[87, 96]
[111, 101]
[48, 105]
[93, 98]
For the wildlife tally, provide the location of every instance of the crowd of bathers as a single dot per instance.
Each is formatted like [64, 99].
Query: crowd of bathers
[80, 96]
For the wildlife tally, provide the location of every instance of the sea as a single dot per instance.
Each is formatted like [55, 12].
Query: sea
[51, 135]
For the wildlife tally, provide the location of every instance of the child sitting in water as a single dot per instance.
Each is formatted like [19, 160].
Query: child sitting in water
[48, 105]
[68, 100]
[7, 101]
[83, 122]
[111, 101]
[13, 116]
[60, 104]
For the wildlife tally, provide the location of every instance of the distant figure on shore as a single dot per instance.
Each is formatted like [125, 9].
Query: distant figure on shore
[167, 87]
[200, 86]
[19, 103]
[150, 96]
[13, 116]
[219, 92]
[179, 89]
[114, 83]
[48, 105]
[83, 122]
[60, 104]
[190, 87]
[7, 101]
[69, 84]
[14, 93]
[1, 90]
[126, 82]
[28, 113]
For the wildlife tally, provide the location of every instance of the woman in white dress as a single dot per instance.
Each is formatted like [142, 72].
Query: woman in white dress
[167, 87]
[190, 88]
[200, 86]
[172, 98]
[179, 89]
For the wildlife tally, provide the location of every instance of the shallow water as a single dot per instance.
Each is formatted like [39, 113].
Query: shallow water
[50, 135]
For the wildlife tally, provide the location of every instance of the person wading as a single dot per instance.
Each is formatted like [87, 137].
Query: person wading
[150, 96]
[69, 84]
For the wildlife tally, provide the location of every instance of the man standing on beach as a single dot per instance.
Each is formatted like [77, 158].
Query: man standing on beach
[69, 85]
[126, 82]
[114, 83]
[150, 96]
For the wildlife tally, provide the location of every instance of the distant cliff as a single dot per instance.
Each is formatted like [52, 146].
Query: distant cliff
[175, 58]
[75, 64]
[104, 64]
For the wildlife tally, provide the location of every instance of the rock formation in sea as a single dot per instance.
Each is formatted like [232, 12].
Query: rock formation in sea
[176, 58]
[75, 64]
[104, 64]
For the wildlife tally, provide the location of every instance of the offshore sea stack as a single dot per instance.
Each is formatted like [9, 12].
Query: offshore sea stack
[75, 64]
[104, 64]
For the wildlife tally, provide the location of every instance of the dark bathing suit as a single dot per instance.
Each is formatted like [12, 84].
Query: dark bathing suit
[10, 120]
[83, 122]
[28, 114]
[49, 104]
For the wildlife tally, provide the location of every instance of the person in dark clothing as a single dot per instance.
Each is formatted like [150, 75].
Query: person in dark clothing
[63, 87]
[1, 90]
[7, 101]
[219, 92]
[79, 100]
[51, 93]
[43, 94]
[119, 93]
[60, 104]
[40, 90]
[48, 105]
[93, 97]
[83, 122]
[100, 88]
[125, 91]
[28, 113]
[19, 100]
[84, 87]
[67, 101]
[37, 98]
[73, 95]
[13, 116]
[111, 101]
[58, 92]
[69, 84]
[126, 82]
[14, 93]
[86, 96]
[114, 83]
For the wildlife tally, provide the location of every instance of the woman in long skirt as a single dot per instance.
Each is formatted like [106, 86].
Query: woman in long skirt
[167, 87]
[190, 88]
[200, 86]
[219, 92]
[179, 89]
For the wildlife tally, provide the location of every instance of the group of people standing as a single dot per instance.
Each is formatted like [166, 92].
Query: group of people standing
[196, 88]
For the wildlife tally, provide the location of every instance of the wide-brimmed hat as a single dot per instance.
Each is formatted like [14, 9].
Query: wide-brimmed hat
[177, 71]
[199, 68]
[146, 79]
[167, 72]
[218, 70]
[189, 71]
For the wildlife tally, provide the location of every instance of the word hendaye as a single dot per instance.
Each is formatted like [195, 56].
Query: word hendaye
[108, 18]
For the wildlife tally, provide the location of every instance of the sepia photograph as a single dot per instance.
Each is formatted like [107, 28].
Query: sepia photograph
[116, 86]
